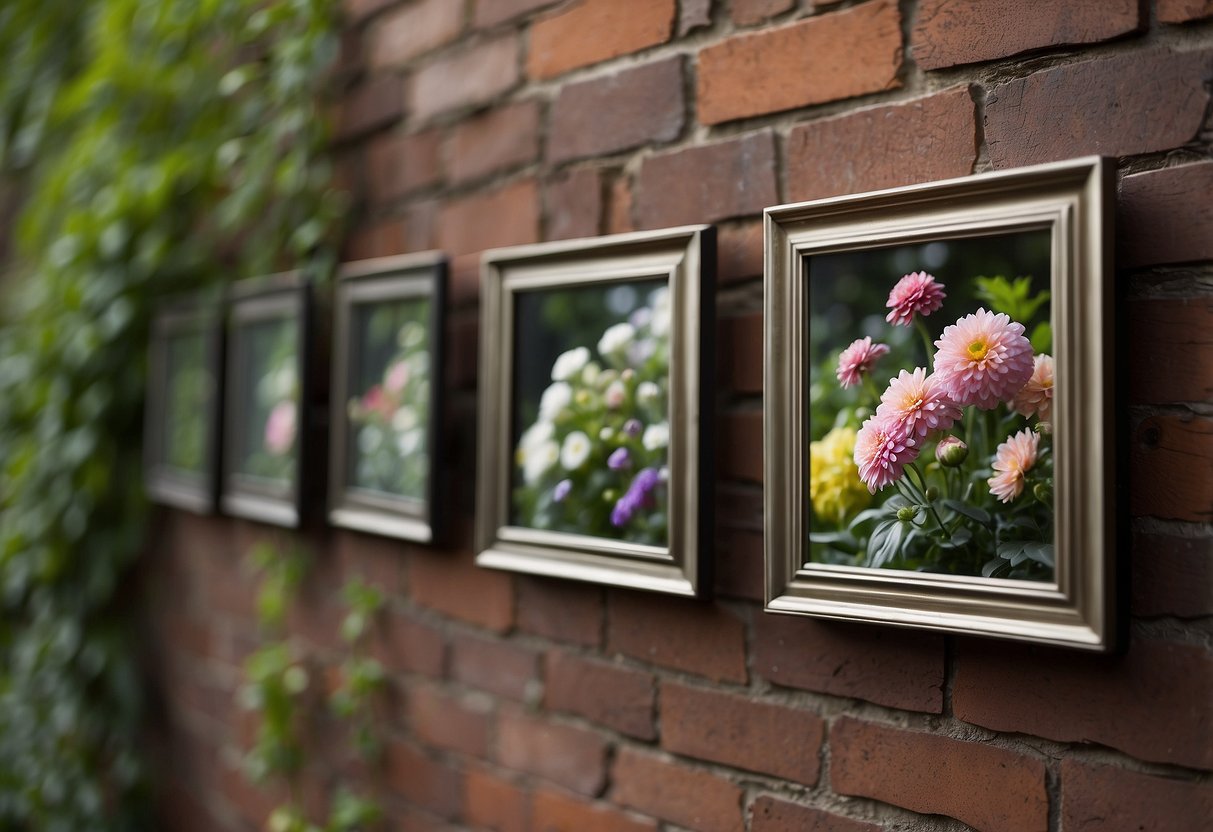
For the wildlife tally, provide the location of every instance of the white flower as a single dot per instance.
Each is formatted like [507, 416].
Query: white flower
[615, 394]
[554, 400]
[404, 419]
[616, 338]
[409, 441]
[660, 323]
[536, 461]
[656, 436]
[536, 435]
[605, 434]
[591, 372]
[570, 363]
[576, 450]
[647, 393]
[411, 335]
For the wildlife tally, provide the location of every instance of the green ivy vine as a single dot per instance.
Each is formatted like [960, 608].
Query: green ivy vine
[154, 146]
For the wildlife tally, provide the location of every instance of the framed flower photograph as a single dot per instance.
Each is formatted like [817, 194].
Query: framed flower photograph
[596, 361]
[939, 434]
[385, 414]
[267, 422]
[182, 421]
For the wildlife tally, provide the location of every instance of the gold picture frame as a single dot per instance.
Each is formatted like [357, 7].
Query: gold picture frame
[1076, 606]
[673, 272]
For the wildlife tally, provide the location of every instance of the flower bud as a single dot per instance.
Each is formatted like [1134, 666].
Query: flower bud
[1043, 492]
[932, 494]
[1043, 428]
[907, 513]
[951, 451]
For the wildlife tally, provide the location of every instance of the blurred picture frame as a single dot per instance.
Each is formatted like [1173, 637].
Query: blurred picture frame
[596, 400]
[385, 426]
[907, 561]
[183, 415]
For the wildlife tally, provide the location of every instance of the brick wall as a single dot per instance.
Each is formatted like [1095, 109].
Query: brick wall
[524, 703]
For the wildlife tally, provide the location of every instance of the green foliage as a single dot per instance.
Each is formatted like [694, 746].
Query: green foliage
[161, 145]
[1014, 297]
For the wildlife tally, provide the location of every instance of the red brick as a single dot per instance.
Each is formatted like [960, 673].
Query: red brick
[822, 58]
[897, 668]
[1165, 216]
[1119, 106]
[712, 182]
[473, 76]
[506, 216]
[739, 564]
[356, 10]
[774, 815]
[1182, 11]
[589, 31]
[749, 12]
[572, 757]
[420, 219]
[402, 643]
[398, 165]
[504, 138]
[1169, 463]
[573, 203]
[692, 636]
[611, 695]
[675, 793]
[1172, 575]
[452, 584]
[373, 105]
[560, 610]
[741, 732]
[693, 15]
[441, 720]
[741, 353]
[1175, 334]
[1152, 703]
[423, 781]
[465, 278]
[1092, 795]
[619, 214]
[412, 30]
[626, 109]
[559, 812]
[915, 141]
[492, 12]
[492, 802]
[947, 34]
[379, 239]
[989, 788]
[499, 667]
[370, 558]
[739, 251]
[739, 452]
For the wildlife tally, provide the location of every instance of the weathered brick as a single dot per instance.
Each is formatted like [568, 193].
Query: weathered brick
[368, 557]
[504, 138]
[1092, 796]
[499, 667]
[1177, 334]
[741, 732]
[609, 694]
[412, 30]
[506, 216]
[1151, 703]
[573, 204]
[423, 781]
[711, 182]
[473, 76]
[676, 793]
[617, 112]
[739, 251]
[749, 12]
[897, 668]
[947, 34]
[495, 803]
[822, 58]
[693, 15]
[619, 214]
[402, 643]
[739, 564]
[739, 451]
[1164, 216]
[560, 610]
[453, 723]
[370, 106]
[922, 140]
[492, 12]
[986, 787]
[379, 239]
[740, 353]
[1182, 11]
[453, 585]
[398, 165]
[1172, 575]
[699, 638]
[590, 31]
[771, 814]
[572, 757]
[558, 812]
[1117, 106]
[1169, 461]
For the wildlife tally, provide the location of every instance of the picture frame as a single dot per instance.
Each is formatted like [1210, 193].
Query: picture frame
[617, 333]
[272, 345]
[183, 412]
[385, 423]
[828, 264]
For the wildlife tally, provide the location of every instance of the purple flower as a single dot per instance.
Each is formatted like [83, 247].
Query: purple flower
[639, 495]
[633, 427]
[619, 460]
[561, 490]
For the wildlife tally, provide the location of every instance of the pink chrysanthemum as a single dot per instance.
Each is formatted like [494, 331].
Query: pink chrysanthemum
[1013, 459]
[983, 359]
[917, 403]
[882, 451]
[857, 360]
[916, 292]
[1036, 397]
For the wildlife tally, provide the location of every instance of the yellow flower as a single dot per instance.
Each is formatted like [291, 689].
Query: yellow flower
[834, 485]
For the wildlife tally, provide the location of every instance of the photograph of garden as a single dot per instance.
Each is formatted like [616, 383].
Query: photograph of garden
[189, 402]
[267, 402]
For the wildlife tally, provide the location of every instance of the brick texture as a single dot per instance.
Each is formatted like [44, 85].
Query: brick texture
[398, 165]
[492, 12]
[499, 667]
[771, 814]
[683, 796]
[1182, 11]
[558, 812]
[501, 139]
[1168, 459]
[1177, 333]
[608, 694]
[424, 781]
[413, 30]
[573, 204]
[494, 802]
[739, 454]
[572, 757]
[370, 106]
[589, 31]
[443, 721]
[452, 585]
[1172, 575]
[561, 611]
[749, 12]
[696, 638]
[1162, 217]
[474, 76]
[1094, 795]
[506, 216]
[986, 787]
[797, 65]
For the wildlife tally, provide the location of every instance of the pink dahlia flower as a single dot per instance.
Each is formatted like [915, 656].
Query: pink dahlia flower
[983, 359]
[917, 403]
[397, 377]
[1013, 459]
[882, 451]
[917, 292]
[857, 360]
[1036, 397]
[280, 428]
